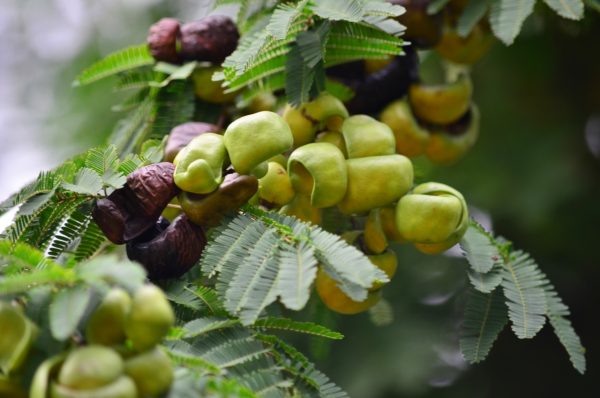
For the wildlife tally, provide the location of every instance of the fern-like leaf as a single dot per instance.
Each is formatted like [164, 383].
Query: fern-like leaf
[486, 282]
[523, 288]
[472, 14]
[296, 326]
[119, 61]
[436, 6]
[507, 17]
[570, 9]
[557, 316]
[485, 317]
[298, 269]
[67, 309]
[337, 10]
[479, 248]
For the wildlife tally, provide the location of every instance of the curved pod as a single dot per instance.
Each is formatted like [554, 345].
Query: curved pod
[441, 104]
[276, 187]
[199, 166]
[336, 300]
[365, 136]
[411, 138]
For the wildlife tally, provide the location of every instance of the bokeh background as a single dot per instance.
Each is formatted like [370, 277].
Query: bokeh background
[534, 175]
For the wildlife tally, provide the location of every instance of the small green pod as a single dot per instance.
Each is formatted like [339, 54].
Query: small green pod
[90, 367]
[150, 318]
[365, 136]
[411, 138]
[333, 137]
[301, 208]
[376, 181]
[123, 387]
[324, 107]
[16, 338]
[275, 187]
[151, 371]
[374, 237]
[387, 262]
[319, 169]
[199, 166]
[303, 129]
[106, 326]
[254, 139]
[433, 216]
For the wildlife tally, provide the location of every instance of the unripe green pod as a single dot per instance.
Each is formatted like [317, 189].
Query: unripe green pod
[365, 136]
[90, 367]
[374, 236]
[42, 377]
[199, 166]
[387, 216]
[151, 371]
[208, 89]
[411, 138]
[16, 338]
[301, 208]
[319, 169]
[324, 107]
[106, 326]
[150, 318]
[432, 214]
[123, 387]
[387, 262]
[376, 181]
[333, 137]
[253, 139]
[336, 300]
[303, 129]
[275, 187]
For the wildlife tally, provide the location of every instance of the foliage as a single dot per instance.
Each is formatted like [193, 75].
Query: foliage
[528, 298]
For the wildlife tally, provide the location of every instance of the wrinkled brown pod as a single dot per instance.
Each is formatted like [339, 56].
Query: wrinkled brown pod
[181, 135]
[171, 251]
[208, 210]
[162, 40]
[211, 39]
[129, 211]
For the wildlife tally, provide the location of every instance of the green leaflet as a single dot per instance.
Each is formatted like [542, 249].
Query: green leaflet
[570, 9]
[119, 61]
[67, 309]
[507, 17]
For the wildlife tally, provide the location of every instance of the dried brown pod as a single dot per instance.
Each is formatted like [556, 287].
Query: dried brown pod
[210, 39]
[182, 134]
[208, 210]
[162, 40]
[129, 211]
[171, 251]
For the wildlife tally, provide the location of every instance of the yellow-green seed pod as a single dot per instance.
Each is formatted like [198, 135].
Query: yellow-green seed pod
[301, 208]
[336, 300]
[90, 367]
[253, 139]
[387, 262]
[43, 374]
[387, 216]
[374, 237]
[318, 170]
[208, 89]
[151, 371]
[324, 107]
[333, 137]
[275, 187]
[434, 216]
[376, 181]
[123, 387]
[365, 136]
[411, 138]
[16, 337]
[106, 326]
[199, 166]
[150, 318]
[303, 129]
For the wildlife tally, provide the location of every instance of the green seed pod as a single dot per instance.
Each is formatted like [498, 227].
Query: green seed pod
[324, 107]
[335, 138]
[374, 237]
[151, 372]
[275, 187]
[387, 262]
[106, 326]
[42, 377]
[433, 216]
[301, 208]
[150, 318]
[303, 129]
[9, 388]
[16, 338]
[376, 181]
[253, 139]
[209, 90]
[365, 136]
[123, 387]
[199, 166]
[319, 170]
[387, 216]
[90, 367]
[411, 138]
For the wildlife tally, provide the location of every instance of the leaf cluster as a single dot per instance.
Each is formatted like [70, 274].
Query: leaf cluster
[508, 285]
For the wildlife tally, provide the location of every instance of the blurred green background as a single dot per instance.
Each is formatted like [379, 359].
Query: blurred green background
[534, 175]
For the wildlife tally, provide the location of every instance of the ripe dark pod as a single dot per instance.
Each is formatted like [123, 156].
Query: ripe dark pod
[208, 210]
[171, 251]
[162, 40]
[386, 85]
[129, 211]
[210, 39]
[182, 134]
